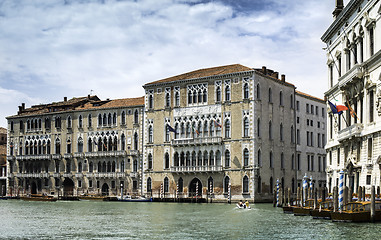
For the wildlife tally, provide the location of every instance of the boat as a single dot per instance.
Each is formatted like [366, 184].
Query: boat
[39, 197]
[243, 206]
[288, 209]
[305, 210]
[131, 199]
[91, 198]
[323, 211]
[356, 212]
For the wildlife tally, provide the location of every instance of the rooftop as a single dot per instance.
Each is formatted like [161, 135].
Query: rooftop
[310, 96]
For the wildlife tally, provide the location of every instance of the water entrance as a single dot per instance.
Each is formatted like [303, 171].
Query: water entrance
[195, 188]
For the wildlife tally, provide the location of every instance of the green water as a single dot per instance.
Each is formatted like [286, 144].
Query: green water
[126, 220]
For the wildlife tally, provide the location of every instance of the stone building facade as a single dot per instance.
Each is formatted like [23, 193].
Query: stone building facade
[79, 146]
[310, 139]
[220, 132]
[354, 79]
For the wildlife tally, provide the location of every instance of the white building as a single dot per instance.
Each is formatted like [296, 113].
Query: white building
[354, 67]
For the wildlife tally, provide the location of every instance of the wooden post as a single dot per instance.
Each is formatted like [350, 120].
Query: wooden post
[350, 195]
[288, 196]
[274, 198]
[315, 198]
[359, 193]
[345, 195]
[298, 196]
[373, 204]
[323, 194]
[335, 199]
[363, 194]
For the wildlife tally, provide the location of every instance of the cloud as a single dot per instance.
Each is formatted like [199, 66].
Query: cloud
[51, 49]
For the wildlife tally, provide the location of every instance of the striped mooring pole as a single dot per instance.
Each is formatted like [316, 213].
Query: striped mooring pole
[305, 189]
[161, 190]
[311, 187]
[277, 192]
[341, 190]
[229, 193]
[177, 190]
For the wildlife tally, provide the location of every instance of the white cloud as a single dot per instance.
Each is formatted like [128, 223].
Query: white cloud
[50, 49]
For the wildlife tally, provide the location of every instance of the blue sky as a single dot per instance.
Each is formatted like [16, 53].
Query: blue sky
[57, 48]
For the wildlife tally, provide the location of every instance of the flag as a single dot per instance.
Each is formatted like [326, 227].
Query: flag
[337, 109]
[353, 113]
[171, 128]
[194, 129]
[105, 145]
[95, 142]
[217, 124]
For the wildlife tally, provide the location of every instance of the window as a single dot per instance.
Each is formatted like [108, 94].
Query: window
[280, 98]
[123, 142]
[123, 122]
[291, 101]
[47, 124]
[167, 133]
[80, 167]
[168, 97]
[339, 65]
[69, 123]
[246, 91]
[245, 184]
[218, 94]
[227, 128]
[270, 131]
[371, 106]
[150, 134]
[91, 167]
[370, 148]
[281, 132]
[136, 141]
[338, 157]
[89, 121]
[227, 158]
[58, 122]
[368, 179]
[177, 96]
[307, 108]
[150, 101]
[180, 185]
[271, 160]
[270, 96]
[149, 185]
[297, 105]
[298, 162]
[245, 157]
[166, 159]
[259, 156]
[150, 161]
[330, 69]
[136, 117]
[245, 127]
[371, 40]
[80, 123]
[227, 93]
[258, 92]
[135, 166]
[282, 161]
[293, 162]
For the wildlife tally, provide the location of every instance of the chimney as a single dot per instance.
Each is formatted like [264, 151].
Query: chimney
[264, 70]
[65, 99]
[275, 75]
[88, 96]
[283, 78]
[338, 8]
[23, 106]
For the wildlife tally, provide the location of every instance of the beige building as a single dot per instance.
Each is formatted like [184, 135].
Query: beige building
[223, 131]
[79, 146]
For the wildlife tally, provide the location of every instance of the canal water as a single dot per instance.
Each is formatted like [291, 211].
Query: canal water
[125, 220]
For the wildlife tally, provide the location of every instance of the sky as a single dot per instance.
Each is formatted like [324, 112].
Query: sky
[51, 49]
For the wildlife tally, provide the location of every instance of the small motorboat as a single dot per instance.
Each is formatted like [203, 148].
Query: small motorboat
[131, 199]
[91, 198]
[39, 197]
[243, 206]
[323, 211]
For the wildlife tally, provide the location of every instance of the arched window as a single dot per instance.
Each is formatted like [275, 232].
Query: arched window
[280, 98]
[204, 96]
[281, 132]
[177, 132]
[123, 118]
[246, 91]
[194, 96]
[150, 101]
[80, 145]
[149, 185]
[226, 184]
[100, 145]
[167, 100]
[166, 159]
[123, 142]
[80, 123]
[136, 141]
[89, 121]
[271, 159]
[113, 166]
[245, 127]
[205, 129]
[205, 158]
[80, 167]
[91, 167]
[270, 96]
[135, 166]
[166, 184]
[227, 128]
[99, 120]
[69, 123]
[182, 130]
[109, 169]
[211, 158]
[99, 167]
[258, 91]
[200, 95]
[270, 130]
[199, 158]
[227, 93]
[211, 128]
[293, 162]
[291, 101]
[190, 97]
[193, 159]
[109, 119]
[177, 99]
[218, 94]
[227, 158]
[150, 134]
[245, 184]
[180, 185]
[259, 158]
[292, 135]
[136, 117]
[281, 161]
[187, 163]
[104, 119]
[218, 158]
[188, 130]
[176, 159]
[122, 166]
[150, 161]
[245, 157]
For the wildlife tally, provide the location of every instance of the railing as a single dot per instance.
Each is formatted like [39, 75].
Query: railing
[354, 73]
[134, 152]
[78, 175]
[56, 156]
[352, 131]
[79, 154]
[45, 175]
[56, 175]
[196, 168]
[11, 157]
[197, 141]
[106, 154]
[68, 155]
[134, 174]
[67, 175]
[105, 175]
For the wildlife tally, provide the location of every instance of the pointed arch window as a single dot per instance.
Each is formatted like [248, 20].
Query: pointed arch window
[150, 134]
[167, 100]
[180, 185]
[149, 185]
[89, 121]
[245, 157]
[150, 161]
[227, 158]
[80, 121]
[246, 91]
[227, 93]
[150, 101]
[136, 117]
[123, 118]
[245, 184]
[123, 142]
[177, 99]
[226, 184]
[166, 161]
[227, 128]
[166, 184]
[99, 120]
[245, 127]
[218, 94]
[136, 141]
[69, 123]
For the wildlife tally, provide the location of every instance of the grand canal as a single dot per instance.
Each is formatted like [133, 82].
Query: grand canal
[121, 220]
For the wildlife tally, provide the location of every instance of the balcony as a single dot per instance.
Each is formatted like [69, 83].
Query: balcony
[193, 169]
[56, 175]
[67, 175]
[56, 156]
[45, 175]
[105, 154]
[10, 158]
[79, 155]
[134, 152]
[354, 73]
[79, 175]
[105, 175]
[134, 174]
[350, 132]
[68, 155]
[196, 141]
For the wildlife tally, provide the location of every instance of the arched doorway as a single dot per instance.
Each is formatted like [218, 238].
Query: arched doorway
[33, 189]
[105, 189]
[195, 187]
[68, 187]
